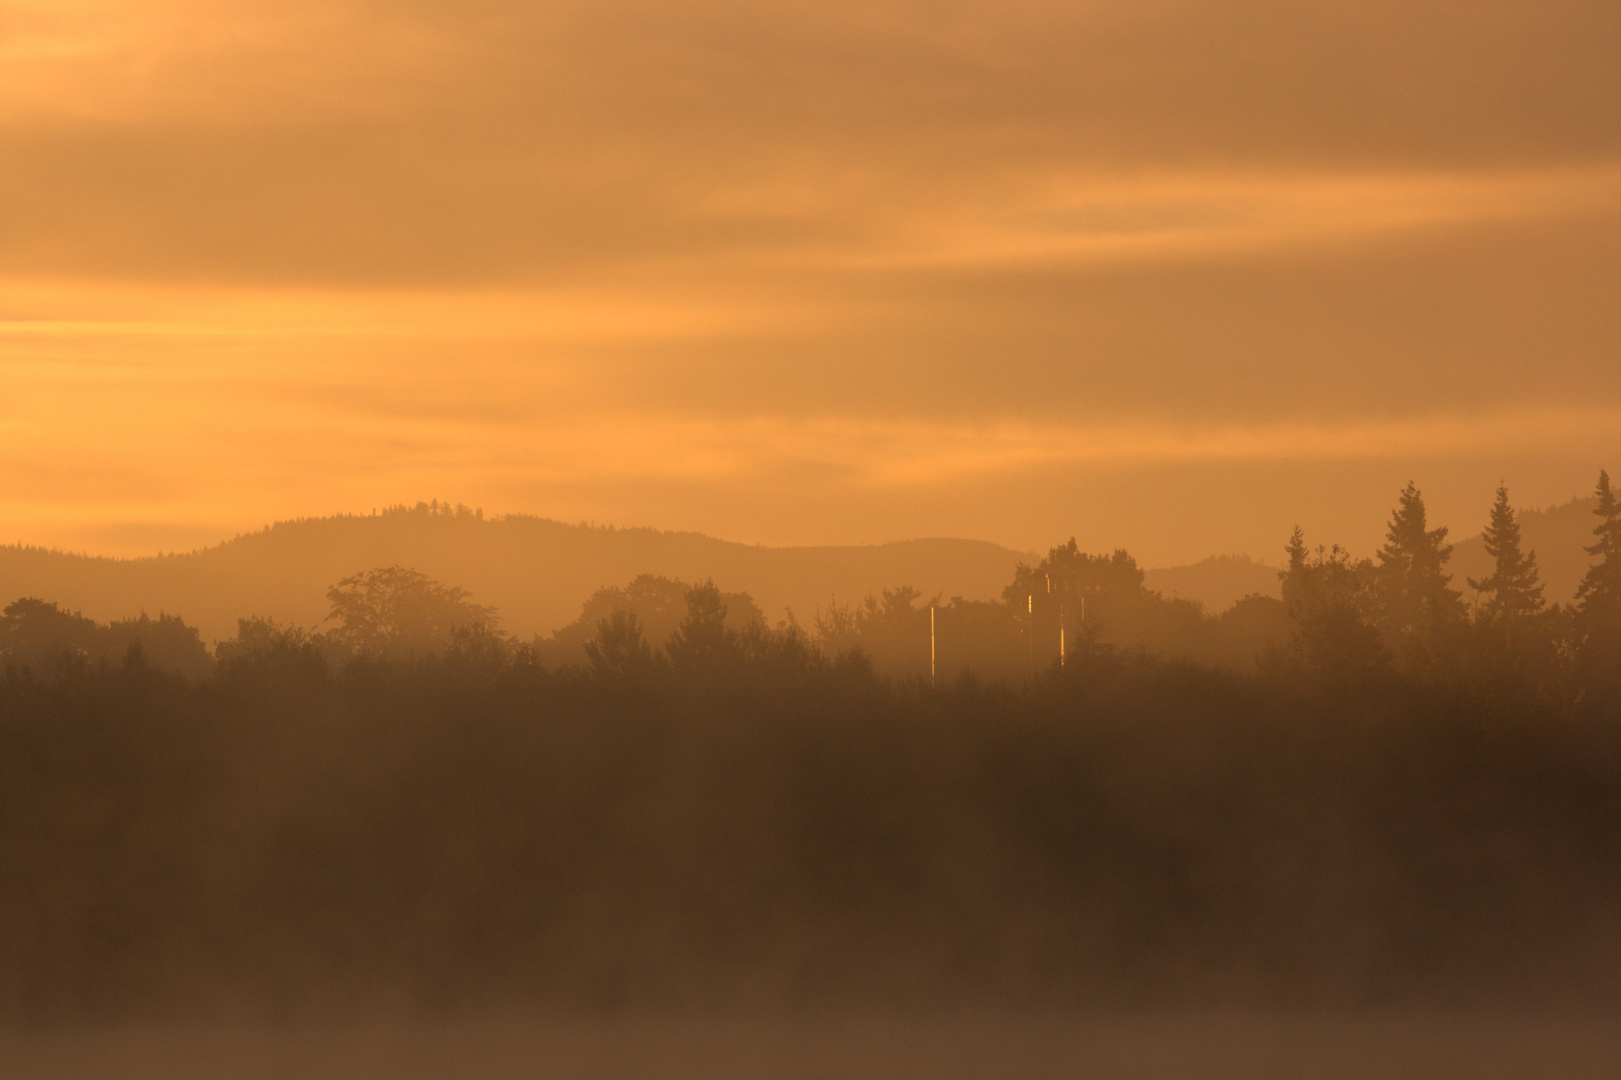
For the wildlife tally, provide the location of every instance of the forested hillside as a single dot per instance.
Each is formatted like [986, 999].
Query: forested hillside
[537, 572]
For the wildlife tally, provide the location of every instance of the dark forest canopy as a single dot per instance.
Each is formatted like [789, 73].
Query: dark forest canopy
[1368, 791]
[38, 635]
[744, 821]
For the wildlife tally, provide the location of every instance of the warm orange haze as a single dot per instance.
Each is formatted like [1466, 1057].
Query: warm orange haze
[766, 538]
[806, 273]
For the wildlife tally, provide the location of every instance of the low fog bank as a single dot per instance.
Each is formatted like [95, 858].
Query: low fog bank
[1398, 806]
[959, 1045]
[754, 825]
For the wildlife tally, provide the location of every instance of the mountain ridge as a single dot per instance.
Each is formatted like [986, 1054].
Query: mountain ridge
[539, 572]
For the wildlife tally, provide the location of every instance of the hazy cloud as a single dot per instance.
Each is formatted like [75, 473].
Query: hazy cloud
[552, 256]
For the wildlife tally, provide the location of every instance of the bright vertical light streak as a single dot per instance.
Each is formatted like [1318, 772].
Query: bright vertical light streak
[931, 646]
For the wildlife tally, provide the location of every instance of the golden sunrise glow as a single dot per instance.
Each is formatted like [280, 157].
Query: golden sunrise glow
[860, 538]
[788, 272]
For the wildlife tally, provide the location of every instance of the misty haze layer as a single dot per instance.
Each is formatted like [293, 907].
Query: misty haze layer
[753, 826]
[1048, 833]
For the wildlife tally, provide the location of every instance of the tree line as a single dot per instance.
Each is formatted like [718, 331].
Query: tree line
[409, 810]
[1395, 615]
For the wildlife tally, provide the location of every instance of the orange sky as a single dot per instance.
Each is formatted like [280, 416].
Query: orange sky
[1170, 275]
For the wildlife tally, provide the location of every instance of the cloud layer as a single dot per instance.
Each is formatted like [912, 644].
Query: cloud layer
[804, 271]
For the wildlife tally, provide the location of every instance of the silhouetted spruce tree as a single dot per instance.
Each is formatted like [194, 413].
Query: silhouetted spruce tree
[1516, 592]
[1601, 587]
[1416, 608]
[1296, 550]
[1598, 600]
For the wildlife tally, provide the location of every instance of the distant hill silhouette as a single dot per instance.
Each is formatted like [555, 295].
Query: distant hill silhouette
[538, 573]
[1218, 582]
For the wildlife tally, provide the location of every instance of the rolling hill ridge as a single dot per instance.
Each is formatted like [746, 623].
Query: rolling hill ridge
[539, 572]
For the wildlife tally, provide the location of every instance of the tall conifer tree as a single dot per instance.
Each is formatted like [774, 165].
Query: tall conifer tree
[1598, 601]
[1601, 588]
[1516, 592]
[1415, 604]
[1297, 555]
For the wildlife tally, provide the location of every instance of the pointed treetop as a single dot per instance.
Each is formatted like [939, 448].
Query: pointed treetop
[1515, 589]
[1407, 539]
[1414, 599]
[1601, 588]
[1296, 550]
[1608, 530]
